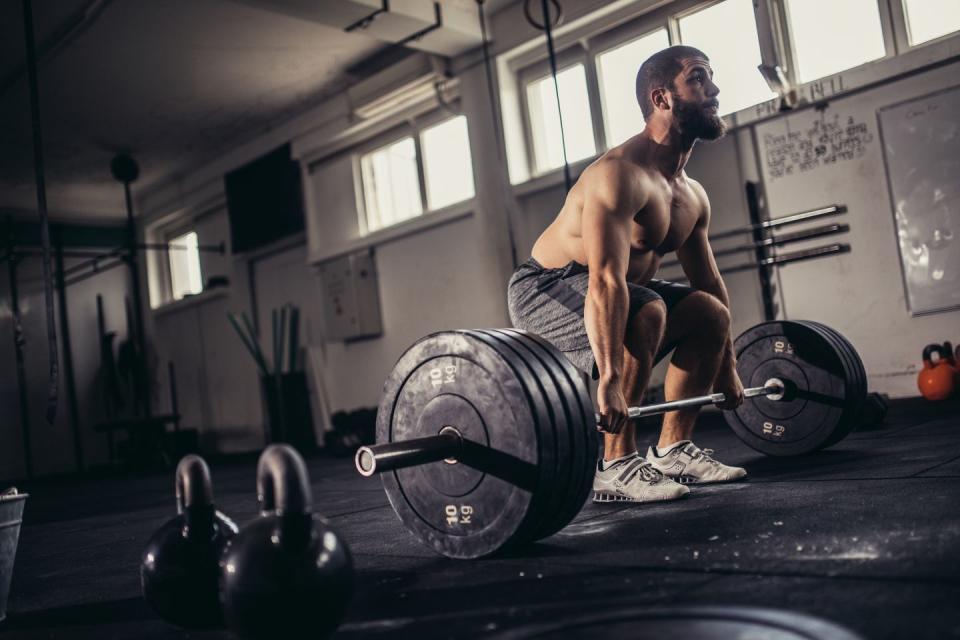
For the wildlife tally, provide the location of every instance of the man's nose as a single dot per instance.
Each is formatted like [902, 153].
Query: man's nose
[712, 89]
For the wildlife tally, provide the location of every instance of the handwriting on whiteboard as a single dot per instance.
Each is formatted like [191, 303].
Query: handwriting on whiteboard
[827, 141]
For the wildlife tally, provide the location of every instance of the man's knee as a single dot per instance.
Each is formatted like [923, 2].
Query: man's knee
[646, 328]
[714, 314]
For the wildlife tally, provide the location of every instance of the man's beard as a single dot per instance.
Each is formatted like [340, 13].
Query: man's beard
[694, 123]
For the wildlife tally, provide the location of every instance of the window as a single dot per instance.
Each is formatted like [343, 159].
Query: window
[850, 36]
[391, 184]
[727, 33]
[185, 275]
[617, 75]
[447, 164]
[545, 122]
[432, 165]
[929, 19]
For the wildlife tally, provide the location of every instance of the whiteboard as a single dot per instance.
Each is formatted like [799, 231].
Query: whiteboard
[921, 148]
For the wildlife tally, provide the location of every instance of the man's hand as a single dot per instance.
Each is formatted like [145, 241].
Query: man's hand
[612, 407]
[728, 383]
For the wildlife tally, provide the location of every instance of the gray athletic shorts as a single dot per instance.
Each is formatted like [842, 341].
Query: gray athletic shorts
[550, 303]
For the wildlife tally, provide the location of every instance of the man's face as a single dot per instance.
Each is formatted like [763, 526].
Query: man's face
[695, 104]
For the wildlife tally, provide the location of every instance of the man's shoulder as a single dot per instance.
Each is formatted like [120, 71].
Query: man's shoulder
[696, 187]
[616, 169]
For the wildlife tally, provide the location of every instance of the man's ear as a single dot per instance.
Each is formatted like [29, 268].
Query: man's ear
[659, 98]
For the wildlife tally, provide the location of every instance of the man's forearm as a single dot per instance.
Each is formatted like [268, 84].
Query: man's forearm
[605, 317]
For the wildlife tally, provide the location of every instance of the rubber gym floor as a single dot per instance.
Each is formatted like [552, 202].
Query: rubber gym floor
[865, 534]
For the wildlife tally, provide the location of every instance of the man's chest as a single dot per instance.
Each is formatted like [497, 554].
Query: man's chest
[667, 221]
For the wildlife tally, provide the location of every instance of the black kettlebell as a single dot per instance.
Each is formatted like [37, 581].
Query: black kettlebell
[287, 574]
[180, 571]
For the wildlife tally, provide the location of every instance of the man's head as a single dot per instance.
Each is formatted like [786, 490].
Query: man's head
[677, 83]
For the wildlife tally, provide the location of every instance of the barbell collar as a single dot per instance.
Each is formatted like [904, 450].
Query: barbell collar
[446, 445]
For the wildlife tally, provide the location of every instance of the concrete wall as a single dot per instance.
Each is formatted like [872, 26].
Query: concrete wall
[53, 445]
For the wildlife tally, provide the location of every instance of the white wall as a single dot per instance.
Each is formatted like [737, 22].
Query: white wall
[861, 293]
[218, 389]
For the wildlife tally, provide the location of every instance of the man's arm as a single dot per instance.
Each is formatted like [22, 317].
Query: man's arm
[610, 202]
[699, 265]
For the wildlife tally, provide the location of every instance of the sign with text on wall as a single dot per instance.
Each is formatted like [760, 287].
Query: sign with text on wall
[921, 150]
[826, 141]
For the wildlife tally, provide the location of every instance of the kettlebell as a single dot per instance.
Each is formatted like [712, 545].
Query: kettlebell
[179, 570]
[288, 574]
[937, 379]
[951, 357]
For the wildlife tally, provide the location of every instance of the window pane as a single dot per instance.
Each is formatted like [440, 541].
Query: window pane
[617, 71]
[545, 124]
[391, 188]
[850, 36]
[447, 164]
[929, 19]
[727, 33]
[185, 277]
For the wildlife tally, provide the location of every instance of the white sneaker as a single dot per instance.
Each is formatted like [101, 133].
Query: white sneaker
[633, 479]
[687, 463]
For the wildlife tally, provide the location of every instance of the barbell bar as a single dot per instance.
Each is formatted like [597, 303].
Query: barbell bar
[448, 443]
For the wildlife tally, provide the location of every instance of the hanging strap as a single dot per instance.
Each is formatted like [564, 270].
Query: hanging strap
[547, 28]
[54, 370]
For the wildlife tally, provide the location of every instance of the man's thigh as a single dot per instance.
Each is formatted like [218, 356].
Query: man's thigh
[673, 294]
[551, 303]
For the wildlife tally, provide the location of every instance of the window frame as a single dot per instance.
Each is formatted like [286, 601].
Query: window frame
[432, 119]
[168, 234]
[615, 38]
[596, 37]
[537, 71]
[901, 29]
[412, 127]
[785, 32]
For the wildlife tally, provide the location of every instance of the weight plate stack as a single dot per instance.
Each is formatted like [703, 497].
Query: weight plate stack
[858, 395]
[818, 380]
[853, 390]
[580, 431]
[548, 494]
[454, 379]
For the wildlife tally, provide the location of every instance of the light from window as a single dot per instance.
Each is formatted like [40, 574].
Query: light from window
[617, 71]
[830, 36]
[447, 165]
[727, 33]
[391, 187]
[545, 123]
[929, 19]
[185, 276]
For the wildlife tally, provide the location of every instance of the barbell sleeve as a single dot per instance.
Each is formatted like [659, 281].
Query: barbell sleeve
[771, 388]
[408, 453]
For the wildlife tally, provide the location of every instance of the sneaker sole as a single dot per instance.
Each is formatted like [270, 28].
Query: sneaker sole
[603, 496]
[693, 480]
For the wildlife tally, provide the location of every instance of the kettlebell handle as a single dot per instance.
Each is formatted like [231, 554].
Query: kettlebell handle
[282, 484]
[193, 485]
[929, 350]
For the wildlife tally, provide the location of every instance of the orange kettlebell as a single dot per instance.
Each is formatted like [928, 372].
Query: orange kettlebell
[937, 379]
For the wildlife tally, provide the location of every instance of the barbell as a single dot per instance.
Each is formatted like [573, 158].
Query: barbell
[448, 444]
[487, 438]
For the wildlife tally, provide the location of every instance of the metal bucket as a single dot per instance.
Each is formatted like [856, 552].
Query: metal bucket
[11, 514]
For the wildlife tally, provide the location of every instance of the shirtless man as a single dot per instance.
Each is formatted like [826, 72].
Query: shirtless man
[589, 287]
